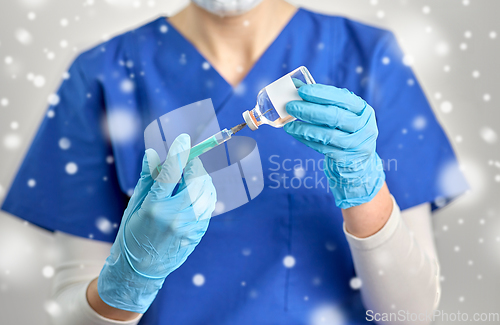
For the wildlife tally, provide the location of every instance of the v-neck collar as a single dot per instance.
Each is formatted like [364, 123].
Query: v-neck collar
[267, 51]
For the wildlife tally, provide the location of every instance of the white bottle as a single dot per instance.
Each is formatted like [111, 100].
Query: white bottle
[271, 100]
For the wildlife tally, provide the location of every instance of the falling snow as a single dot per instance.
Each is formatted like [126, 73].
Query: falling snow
[12, 141]
[198, 280]
[64, 143]
[24, 37]
[71, 168]
[39, 81]
[446, 107]
[53, 308]
[127, 86]
[31, 183]
[419, 123]
[53, 99]
[355, 283]
[104, 225]
[488, 135]
[289, 261]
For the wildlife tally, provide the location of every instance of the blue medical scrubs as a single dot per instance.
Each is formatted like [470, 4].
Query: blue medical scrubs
[280, 259]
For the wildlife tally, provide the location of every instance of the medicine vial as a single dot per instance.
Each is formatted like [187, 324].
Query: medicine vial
[272, 99]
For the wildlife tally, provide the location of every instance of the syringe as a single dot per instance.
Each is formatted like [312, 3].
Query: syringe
[215, 140]
[212, 142]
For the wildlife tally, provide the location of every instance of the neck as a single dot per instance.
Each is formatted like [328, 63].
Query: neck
[233, 43]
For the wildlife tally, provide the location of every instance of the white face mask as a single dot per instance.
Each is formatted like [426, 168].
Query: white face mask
[227, 7]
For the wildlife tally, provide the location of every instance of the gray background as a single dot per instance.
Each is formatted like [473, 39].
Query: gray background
[446, 43]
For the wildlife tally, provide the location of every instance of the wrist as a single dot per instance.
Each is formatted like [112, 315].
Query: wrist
[355, 183]
[121, 287]
[105, 310]
[369, 218]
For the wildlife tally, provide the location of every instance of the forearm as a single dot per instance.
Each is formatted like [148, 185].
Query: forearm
[368, 218]
[396, 270]
[72, 307]
[74, 295]
[106, 310]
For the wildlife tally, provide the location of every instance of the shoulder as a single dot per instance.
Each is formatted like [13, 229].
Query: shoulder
[349, 34]
[115, 51]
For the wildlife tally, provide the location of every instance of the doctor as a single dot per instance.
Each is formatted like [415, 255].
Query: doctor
[353, 248]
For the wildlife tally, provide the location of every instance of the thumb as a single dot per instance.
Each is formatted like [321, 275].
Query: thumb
[172, 168]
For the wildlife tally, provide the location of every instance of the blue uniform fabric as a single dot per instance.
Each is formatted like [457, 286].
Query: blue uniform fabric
[117, 88]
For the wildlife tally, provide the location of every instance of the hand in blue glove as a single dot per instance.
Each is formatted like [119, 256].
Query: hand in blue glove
[160, 227]
[342, 126]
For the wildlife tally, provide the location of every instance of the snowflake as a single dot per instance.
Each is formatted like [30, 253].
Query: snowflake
[48, 271]
[355, 283]
[71, 168]
[446, 107]
[289, 261]
[53, 99]
[104, 225]
[64, 143]
[24, 37]
[488, 135]
[12, 141]
[198, 280]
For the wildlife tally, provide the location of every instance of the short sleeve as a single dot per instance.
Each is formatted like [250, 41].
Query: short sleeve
[68, 181]
[418, 159]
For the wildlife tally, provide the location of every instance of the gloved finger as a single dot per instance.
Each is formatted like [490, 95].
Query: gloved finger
[198, 184]
[204, 205]
[323, 135]
[330, 95]
[328, 115]
[298, 83]
[324, 149]
[172, 168]
[153, 162]
[193, 170]
[145, 181]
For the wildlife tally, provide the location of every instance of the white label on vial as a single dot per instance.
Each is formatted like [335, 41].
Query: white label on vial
[281, 92]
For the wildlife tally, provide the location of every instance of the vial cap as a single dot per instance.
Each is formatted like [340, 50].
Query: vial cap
[250, 122]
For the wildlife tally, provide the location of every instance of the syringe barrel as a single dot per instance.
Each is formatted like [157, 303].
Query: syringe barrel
[212, 142]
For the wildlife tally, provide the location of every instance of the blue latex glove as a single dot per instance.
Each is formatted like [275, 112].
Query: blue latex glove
[159, 229]
[342, 126]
